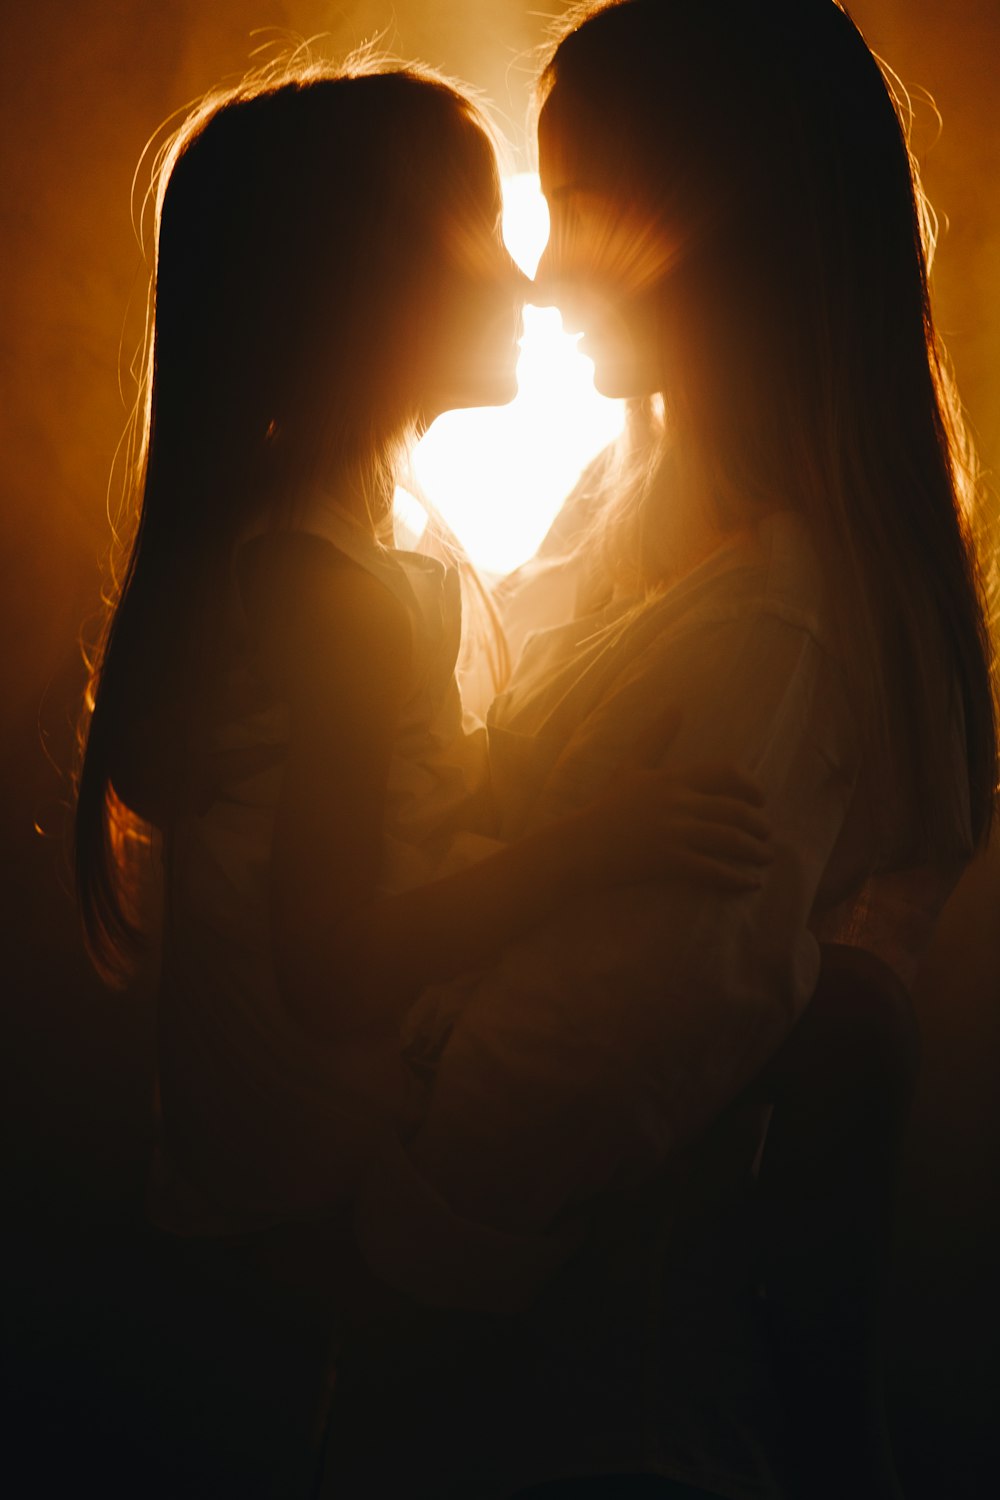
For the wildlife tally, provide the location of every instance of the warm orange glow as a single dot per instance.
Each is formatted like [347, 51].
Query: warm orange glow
[498, 475]
[624, 248]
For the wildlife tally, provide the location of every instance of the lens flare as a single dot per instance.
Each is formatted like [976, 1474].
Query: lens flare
[498, 475]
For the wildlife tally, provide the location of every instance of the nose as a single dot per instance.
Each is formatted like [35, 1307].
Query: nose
[553, 288]
[544, 288]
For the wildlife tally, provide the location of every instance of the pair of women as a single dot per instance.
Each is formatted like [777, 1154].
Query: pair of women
[781, 563]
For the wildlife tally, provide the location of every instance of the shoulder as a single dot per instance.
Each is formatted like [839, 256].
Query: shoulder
[306, 602]
[795, 580]
[773, 569]
[766, 587]
[293, 577]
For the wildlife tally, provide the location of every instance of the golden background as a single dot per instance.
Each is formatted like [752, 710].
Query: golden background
[84, 85]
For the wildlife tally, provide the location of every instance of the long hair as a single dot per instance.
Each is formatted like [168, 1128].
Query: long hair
[795, 321]
[303, 223]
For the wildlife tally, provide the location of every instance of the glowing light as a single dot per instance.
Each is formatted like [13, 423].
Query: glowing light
[499, 475]
[525, 220]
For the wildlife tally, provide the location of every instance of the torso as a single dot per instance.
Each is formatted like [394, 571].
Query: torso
[269, 1122]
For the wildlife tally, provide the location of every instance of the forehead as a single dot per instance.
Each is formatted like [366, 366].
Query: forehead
[484, 170]
[577, 152]
[563, 175]
[553, 153]
[572, 177]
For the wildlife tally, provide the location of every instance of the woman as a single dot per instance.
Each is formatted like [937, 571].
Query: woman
[275, 695]
[787, 557]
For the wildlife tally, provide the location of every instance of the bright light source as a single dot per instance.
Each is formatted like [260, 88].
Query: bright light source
[525, 220]
[498, 475]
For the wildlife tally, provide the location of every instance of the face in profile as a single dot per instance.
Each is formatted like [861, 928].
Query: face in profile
[605, 267]
[477, 319]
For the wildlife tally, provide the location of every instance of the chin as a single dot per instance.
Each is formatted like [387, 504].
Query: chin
[501, 394]
[493, 390]
[623, 370]
[615, 384]
[621, 380]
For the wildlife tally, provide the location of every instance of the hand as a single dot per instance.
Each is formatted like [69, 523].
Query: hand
[703, 824]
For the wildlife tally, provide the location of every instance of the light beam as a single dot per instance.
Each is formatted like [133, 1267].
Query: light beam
[498, 475]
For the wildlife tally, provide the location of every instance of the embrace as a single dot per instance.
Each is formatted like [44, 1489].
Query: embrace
[456, 986]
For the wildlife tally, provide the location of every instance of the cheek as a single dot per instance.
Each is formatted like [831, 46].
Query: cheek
[623, 340]
[476, 346]
[611, 254]
[484, 321]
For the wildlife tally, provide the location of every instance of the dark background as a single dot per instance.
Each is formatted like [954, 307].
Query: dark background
[84, 86]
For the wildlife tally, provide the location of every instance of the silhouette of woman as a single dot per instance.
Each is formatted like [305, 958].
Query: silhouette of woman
[787, 555]
[275, 692]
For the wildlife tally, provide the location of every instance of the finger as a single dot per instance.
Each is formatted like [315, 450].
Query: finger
[727, 780]
[724, 842]
[703, 870]
[700, 807]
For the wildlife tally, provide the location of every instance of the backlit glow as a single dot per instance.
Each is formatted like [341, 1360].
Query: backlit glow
[499, 475]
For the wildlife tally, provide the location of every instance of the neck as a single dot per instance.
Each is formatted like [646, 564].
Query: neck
[686, 529]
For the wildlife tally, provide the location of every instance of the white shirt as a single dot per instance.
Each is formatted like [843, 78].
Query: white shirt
[622, 1027]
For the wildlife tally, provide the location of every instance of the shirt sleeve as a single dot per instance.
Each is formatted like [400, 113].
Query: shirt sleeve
[622, 1027]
